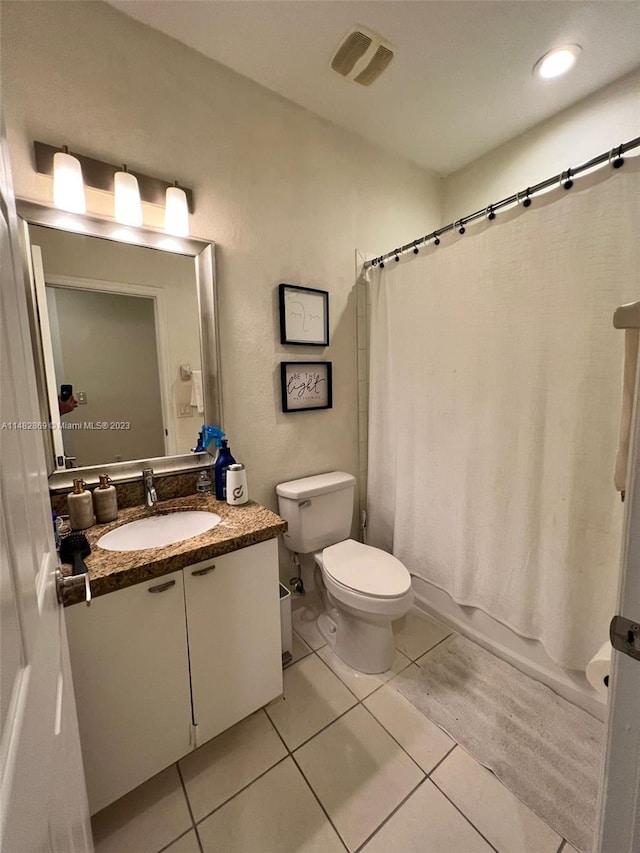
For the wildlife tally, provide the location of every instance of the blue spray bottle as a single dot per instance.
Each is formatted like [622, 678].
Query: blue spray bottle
[223, 459]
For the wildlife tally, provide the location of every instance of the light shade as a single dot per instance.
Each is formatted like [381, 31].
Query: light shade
[558, 61]
[68, 188]
[127, 206]
[176, 214]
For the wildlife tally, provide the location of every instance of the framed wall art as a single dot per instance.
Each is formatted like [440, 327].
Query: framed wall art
[306, 385]
[304, 316]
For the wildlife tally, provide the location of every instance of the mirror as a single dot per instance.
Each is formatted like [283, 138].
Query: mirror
[126, 317]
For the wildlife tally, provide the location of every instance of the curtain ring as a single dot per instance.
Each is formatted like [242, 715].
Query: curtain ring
[569, 182]
[526, 201]
[490, 212]
[436, 239]
[461, 228]
[415, 247]
[616, 160]
[396, 258]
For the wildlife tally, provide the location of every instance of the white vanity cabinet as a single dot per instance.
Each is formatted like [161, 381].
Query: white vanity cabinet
[163, 666]
[131, 680]
[233, 624]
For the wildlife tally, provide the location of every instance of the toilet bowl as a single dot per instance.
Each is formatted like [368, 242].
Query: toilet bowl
[364, 588]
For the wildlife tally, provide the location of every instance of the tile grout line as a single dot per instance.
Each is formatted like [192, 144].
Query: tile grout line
[291, 755]
[443, 759]
[317, 798]
[241, 790]
[411, 758]
[470, 822]
[186, 796]
[182, 835]
[428, 652]
[390, 815]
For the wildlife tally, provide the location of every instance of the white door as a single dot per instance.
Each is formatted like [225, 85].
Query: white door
[43, 803]
[619, 828]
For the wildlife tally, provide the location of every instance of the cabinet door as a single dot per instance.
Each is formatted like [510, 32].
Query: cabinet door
[233, 620]
[131, 677]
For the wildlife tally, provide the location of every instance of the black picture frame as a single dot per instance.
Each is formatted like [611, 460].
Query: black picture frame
[304, 316]
[306, 385]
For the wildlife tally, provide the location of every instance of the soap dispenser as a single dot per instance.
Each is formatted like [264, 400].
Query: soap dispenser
[105, 500]
[80, 507]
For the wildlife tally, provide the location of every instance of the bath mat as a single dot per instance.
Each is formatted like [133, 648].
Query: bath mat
[543, 748]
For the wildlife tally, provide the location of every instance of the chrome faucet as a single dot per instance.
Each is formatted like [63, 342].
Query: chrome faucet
[150, 496]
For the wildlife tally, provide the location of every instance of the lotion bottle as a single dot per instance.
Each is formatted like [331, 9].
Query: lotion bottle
[80, 507]
[105, 500]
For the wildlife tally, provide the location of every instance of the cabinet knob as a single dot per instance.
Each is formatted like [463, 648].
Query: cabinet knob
[162, 587]
[199, 572]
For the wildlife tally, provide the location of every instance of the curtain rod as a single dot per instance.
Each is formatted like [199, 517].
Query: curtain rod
[614, 157]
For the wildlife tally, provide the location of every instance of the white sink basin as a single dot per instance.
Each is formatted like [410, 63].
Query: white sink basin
[159, 530]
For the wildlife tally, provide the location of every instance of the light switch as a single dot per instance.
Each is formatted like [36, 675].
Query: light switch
[185, 410]
[81, 397]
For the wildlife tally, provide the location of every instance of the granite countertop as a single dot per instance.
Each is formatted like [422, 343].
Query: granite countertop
[112, 570]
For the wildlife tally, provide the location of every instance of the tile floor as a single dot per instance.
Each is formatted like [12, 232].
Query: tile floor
[341, 762]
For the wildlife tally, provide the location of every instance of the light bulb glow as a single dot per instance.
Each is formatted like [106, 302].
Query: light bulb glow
[68, 188]
[176, 215]
[127, 206]
[557, 61]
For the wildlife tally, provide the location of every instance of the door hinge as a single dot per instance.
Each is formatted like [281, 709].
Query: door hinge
[625, 636]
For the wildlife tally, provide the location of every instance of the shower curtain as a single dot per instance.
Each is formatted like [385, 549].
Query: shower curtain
[495, 393]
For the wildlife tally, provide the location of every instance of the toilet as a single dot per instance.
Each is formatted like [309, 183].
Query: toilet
[364, 589]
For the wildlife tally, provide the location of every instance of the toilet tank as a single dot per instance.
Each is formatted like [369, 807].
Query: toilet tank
[319, 510]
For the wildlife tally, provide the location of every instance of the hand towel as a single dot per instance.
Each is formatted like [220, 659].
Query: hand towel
[628, 389]
[197, 398]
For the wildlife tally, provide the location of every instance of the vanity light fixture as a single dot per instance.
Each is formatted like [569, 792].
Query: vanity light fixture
[130, 188]
[176, 212]
[127, 206]
[68, 187]
[557, 61]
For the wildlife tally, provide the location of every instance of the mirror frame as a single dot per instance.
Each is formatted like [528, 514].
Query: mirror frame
[203, 253]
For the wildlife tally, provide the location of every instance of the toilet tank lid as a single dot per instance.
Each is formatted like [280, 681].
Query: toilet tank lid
[320, 484]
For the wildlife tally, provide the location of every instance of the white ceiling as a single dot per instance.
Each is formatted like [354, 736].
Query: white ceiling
[460, 83]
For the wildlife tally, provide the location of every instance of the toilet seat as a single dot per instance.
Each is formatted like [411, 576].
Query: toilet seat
[366, 570]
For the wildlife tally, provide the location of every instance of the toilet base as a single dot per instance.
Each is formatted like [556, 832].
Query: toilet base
[365, 645]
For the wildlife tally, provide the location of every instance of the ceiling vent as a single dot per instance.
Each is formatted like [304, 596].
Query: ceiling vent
[362, 56]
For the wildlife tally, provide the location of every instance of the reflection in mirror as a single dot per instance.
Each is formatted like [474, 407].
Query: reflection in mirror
[120, 324]
[127, 317]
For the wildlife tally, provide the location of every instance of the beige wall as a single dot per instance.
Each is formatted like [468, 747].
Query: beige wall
[595, 124]
[285, 195]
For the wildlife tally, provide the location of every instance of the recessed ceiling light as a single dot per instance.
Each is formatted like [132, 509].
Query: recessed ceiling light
[558, 61]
